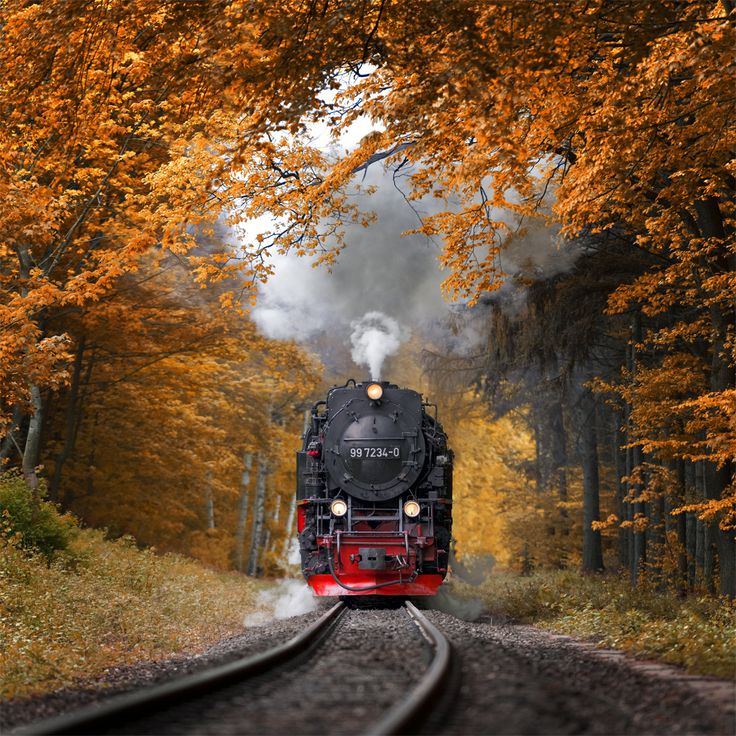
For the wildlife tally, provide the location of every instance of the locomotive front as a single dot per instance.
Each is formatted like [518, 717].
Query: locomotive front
[374, 493]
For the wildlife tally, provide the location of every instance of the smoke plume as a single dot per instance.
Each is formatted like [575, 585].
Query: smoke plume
[286, 599]
[375, 336]
[400, 276]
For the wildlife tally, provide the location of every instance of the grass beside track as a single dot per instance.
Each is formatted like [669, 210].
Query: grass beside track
[697, 633]
[102, 603]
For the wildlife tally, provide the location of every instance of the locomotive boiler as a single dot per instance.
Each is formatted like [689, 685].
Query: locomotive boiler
[374, 493]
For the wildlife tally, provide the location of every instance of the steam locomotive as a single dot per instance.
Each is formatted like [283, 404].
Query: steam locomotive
[374, 493]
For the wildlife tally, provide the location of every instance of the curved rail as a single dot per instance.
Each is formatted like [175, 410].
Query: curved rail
[94, 719]
[405, 716]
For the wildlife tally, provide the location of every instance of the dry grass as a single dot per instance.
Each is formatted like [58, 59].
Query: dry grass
[698, 633]
[100, 603]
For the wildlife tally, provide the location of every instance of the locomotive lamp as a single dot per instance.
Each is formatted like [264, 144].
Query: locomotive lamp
[411, 508]
[374, 391]
[339, 507]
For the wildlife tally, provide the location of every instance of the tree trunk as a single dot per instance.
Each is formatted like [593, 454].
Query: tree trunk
[629, 507]
[10, 441]
[657, 539]
[558, 438]
[31, 451]
[592, 552]
[259, 509]
[639, 507]
[691, 528]
[691, 531]
[680, 522]
[289, 527]
[619, 455]
[210, 506]
[70, 423]
[243, 511]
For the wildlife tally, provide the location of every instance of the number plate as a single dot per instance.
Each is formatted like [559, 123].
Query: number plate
[368, 453]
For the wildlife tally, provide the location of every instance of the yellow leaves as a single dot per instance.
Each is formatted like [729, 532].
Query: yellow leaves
[611, 521]
[486, 478]
[639, 524]
[722, 510]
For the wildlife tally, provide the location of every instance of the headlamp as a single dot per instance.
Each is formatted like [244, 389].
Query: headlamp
[339, 507]
[374, 391]
[412, 509]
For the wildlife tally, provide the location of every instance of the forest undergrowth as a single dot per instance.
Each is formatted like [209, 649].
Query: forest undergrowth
[697, 632]
[91, 603]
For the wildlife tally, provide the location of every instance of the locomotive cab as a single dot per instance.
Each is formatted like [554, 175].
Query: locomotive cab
[374, 487]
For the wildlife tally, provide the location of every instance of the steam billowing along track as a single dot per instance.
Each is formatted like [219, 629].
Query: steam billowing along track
[352, 671]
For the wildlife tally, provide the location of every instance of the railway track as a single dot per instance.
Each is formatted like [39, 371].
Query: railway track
[129, 713]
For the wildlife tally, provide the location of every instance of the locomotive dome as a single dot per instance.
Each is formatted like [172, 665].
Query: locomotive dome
[373, 443]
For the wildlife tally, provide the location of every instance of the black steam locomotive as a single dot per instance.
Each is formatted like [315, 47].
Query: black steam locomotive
[374, 493]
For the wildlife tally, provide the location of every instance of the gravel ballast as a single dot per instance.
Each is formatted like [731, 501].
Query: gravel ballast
[368, 662]
[512, 680]
[521, 680]
[127, 678]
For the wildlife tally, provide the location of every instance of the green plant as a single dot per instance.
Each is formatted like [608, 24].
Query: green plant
[35, 524]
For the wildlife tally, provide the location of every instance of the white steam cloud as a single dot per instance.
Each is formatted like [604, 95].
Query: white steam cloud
[400, 276]
[374, 337]
[286, 599]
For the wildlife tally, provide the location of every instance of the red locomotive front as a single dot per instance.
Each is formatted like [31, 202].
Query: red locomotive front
[374, 494]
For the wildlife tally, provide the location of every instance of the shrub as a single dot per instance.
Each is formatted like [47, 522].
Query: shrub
[36, 525]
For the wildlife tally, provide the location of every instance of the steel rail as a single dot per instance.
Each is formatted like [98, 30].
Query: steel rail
[94, 719]
[408, 714]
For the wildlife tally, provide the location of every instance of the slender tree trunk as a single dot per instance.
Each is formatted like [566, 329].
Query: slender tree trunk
[70, 494]
[289, 527]
[619, 455]
[210, 506]
[243, 511]
[690, 524]
[558, 439]
[629, 507]
[10, 441]
[291, 515]
[640, 514]
[271, 535]
[259, 509]
[639, 507]
[537, 454]
[32, 447]
[657, 538]
[680, 523]
[700, 540]
[592, 552]
[31, 451]
[691, 530]
[700, 552]
[70, 423]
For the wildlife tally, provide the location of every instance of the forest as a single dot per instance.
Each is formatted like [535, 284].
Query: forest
[156, 157]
